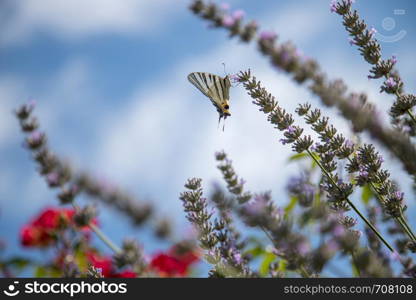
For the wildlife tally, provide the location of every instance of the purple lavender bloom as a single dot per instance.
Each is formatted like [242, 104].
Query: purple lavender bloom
[303, 248]
[234, 78]
[315, 146]
[284, 141]
[228, 21]
[363, 174]
[238, 14]
[291, 129]
[268, 35]
[333, 6]
[351, 41]
[372, 31]
[338, 231]
[390, 82]
[380, 159]
[349, 144]
[36, 136]
[299, 53]
[332, 246]
[394, 59]
[257, 205]
[52, 178]
[237, 257]
[300, 187]
[285, 56]
[399, 195]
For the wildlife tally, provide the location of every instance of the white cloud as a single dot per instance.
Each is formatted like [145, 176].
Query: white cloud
[299, 24]
[77, 18]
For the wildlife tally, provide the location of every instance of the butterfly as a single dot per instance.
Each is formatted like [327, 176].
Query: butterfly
[216, 88]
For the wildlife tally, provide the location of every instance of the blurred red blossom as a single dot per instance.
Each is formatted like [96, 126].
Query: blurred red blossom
[174, 262]
[42, 230]
[105, 264]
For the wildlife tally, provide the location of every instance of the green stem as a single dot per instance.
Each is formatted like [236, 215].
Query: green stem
[350, 203]
[409, 112]
[101, 234]
[405, 224]
[402, 222]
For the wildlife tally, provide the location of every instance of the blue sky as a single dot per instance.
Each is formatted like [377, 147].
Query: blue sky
[109, 78]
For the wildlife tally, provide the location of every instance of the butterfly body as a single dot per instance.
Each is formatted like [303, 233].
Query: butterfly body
[216, 88]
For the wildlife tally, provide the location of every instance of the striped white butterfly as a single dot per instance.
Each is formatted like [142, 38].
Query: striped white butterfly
[216, 88]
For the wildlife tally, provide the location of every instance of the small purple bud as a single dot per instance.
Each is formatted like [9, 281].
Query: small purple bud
[372, 31]
[349, 144]
[338, 231]
[303, 248]
[52, 178]
[234, 78]
[284, 141]
[36, 136]
[351, 41]
[390, 82]
[267, 35]
[380, 159]
[394, 59]
[291, 129]
[237, 257]
[333, 6]
[238, 14]
[399, 195]
[227, 21]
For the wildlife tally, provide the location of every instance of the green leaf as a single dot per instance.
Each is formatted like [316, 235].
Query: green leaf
[282, 265]
[289, 208]
[366, 194]
[264, 266]
[298, 156]
[355, 270]
[40, 272]
[255, 251]
[18, 262]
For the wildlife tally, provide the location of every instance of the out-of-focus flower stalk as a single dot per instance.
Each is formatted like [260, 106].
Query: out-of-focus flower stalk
[284, 122]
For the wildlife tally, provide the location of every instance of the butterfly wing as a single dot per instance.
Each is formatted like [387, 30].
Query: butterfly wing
[215, 88]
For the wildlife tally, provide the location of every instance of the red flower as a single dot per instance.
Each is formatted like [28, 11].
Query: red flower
[187, 258]
[51, 218]
[175, 262]
[42, 230]
[100, 262]
[29, 236]
[168, 265]
[124, 274]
